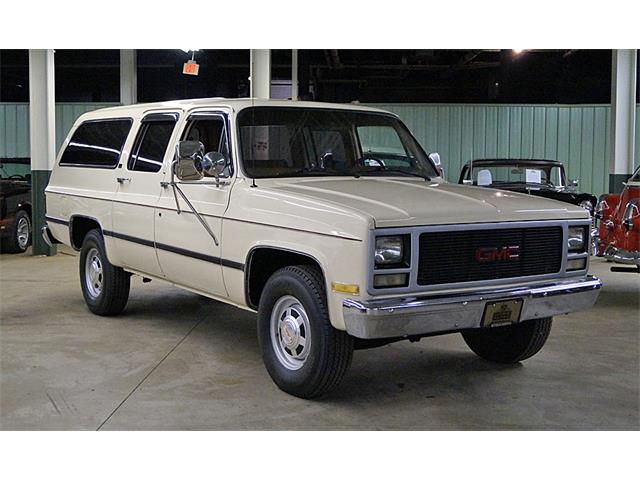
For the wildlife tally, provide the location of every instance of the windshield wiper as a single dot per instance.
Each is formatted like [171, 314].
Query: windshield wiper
[381, 167]
[525, 184]
[316, 171]
[394, 170]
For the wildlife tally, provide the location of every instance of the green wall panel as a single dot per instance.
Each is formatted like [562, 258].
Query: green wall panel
[14, 125]
[578, 135]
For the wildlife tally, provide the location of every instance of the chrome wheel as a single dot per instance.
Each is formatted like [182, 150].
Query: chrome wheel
[290, 332]
[93, 274]
[22, 232]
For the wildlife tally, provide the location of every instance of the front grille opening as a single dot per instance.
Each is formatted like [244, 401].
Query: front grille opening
[452, 257]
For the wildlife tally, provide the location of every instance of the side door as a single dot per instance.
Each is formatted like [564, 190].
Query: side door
[188, 254]
[139, 187]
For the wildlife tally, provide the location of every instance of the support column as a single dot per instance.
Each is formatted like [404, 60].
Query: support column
[128, 77]
[623, 117]
[260, 73]
[294, 74]
[42, 138]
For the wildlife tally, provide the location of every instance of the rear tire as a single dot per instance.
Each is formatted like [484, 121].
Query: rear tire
[105, 287]
[511, 343]
[303, 353]
[20, 239]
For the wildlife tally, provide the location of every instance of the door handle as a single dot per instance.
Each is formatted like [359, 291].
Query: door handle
[123, 179]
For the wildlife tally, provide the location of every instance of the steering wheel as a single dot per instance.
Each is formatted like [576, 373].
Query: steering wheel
[368, 156]
[16, 176]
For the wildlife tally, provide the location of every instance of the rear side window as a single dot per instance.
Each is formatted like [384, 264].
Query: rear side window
[151, 145]
[97, 144]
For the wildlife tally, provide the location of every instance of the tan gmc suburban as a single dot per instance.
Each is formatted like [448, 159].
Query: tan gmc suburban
[329, 221]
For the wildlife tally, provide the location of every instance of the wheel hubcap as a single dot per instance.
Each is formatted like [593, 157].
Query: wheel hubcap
[22, 232]
[93, 273]
[290, 332]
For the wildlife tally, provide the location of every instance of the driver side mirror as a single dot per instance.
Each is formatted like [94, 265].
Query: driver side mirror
[213, 164]
[435, 158]
[188, 164]
[574, 183]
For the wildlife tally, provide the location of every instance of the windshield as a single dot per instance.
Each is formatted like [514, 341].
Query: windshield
[291, 142]
[548, 176]
[15, 169]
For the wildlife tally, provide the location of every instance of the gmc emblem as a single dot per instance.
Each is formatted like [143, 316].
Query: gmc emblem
[497, 254]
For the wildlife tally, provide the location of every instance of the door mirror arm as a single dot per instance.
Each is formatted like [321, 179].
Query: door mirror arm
[188, 165]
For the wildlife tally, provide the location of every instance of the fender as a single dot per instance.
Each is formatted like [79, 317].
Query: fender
[105, 235]
[247, 270]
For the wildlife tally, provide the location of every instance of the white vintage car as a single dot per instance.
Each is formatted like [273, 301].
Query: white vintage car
[329, 220]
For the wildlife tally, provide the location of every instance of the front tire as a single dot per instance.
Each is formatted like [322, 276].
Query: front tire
[105, 287]
[511, 343]
[303, 353]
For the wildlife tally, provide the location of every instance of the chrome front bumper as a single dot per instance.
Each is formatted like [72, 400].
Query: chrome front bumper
[619, 255]
[403, 317]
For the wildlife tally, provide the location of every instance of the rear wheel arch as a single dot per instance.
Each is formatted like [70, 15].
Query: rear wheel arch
[263, 261]
[79, 227]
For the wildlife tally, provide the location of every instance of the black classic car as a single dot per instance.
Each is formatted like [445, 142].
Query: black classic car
[543, 178]
[15, 205]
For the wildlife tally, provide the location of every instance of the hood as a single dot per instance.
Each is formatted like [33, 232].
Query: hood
[396, 202]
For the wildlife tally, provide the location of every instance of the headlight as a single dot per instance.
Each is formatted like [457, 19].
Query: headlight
[576, 239]
[587, 205]
[389, 250]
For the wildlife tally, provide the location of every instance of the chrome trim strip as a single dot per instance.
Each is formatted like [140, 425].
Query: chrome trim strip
[400, 317]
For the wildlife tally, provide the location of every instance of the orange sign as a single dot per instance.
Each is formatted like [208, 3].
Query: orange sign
[190, 68]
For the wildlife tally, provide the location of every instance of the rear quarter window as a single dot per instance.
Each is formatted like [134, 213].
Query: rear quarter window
[97, 144]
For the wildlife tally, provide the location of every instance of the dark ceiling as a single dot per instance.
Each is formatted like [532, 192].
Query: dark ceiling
[464, 76]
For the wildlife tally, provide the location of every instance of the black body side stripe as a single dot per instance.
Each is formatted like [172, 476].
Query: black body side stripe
[128, 238]
[56, 220]
[176, 250]
[161, 246]
[231, 264]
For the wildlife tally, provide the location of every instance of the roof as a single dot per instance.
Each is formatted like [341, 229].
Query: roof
[514, 161]
[235, 104]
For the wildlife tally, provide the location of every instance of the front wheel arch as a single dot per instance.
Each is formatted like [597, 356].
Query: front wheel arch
[264, 260]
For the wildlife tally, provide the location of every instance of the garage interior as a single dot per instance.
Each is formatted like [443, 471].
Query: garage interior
[178, 361]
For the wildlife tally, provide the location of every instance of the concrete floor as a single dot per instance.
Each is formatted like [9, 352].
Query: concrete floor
[175, 360]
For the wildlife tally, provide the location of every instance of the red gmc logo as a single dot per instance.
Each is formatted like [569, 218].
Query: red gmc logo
[497, 254]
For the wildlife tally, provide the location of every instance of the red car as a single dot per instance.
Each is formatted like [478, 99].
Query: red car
[619, 226]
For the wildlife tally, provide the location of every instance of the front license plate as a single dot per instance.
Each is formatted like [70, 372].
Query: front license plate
[502, 312]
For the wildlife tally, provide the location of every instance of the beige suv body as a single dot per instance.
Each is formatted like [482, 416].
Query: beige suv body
[329, 220]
